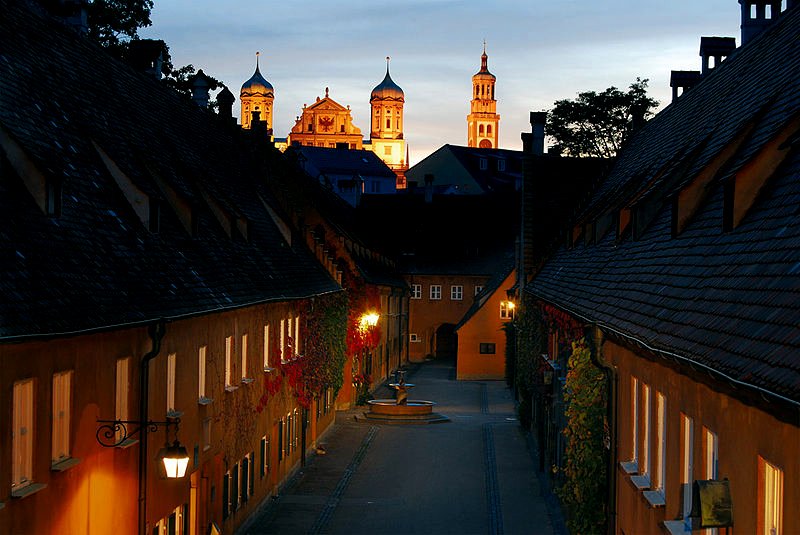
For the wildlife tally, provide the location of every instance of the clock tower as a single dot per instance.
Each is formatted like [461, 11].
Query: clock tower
[386, 127]
[482, 121]
[257, 95]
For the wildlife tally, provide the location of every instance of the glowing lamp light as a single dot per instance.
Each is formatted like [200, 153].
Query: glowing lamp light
[511, 305]
[370, 319]
[176, 460]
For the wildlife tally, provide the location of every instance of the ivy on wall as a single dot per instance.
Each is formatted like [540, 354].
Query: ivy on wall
[583, 489]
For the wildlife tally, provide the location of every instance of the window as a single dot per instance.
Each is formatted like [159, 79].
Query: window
[62, 398]
[635, 420]
[266, 348]
[22, 436]
[506, 310]
[488, 130]
[478, 289]
[283, 342]
[234, 491]
[661, 432]
[297, 335]
[501, 165]
[710, 453]
[414, 338]
[487, 349]
[388, 123]
[416, 291]
[177, 523]
[770, 498]
[245, 378]
[484, 164]
[206, 434]
[436, 291]
[387, 150]
[456, 293]
[201, 376]
[480, 130]
[121, 393]
[170, 384]
[644, 467]
[264, 455]
[687, 463]
[229, 363]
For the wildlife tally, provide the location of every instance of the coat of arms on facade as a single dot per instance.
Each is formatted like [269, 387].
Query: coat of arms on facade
[325, 123]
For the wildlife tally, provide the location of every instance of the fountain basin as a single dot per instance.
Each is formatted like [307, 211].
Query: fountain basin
[412, 407]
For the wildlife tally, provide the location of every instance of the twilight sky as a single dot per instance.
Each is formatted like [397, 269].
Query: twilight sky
[540, 52]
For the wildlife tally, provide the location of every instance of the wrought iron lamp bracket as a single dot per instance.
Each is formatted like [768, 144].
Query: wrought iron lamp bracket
[107, 432]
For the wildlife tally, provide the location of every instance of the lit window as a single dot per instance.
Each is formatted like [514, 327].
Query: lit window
[661, 432]
[62, 396]
[283, 342]
[266, 347]
[297, 335]
[170, 383]
[416, 291]
[201, 373]
[414, 337]
[436, 291]
[22, 436]
[644, 467]
[478, 289]
[228, 362]
[244, 359]
[687, 463]
[506, 310]
[456, 293]
[121, 393]
[770, 498]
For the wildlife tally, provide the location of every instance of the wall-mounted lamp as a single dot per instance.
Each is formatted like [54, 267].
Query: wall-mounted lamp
[369, 319]
[112, 433]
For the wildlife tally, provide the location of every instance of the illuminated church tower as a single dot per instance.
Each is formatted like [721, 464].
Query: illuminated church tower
[386, 132]
[482, 121]
[257, 95]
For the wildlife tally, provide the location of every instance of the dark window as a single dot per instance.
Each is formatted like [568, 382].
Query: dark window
[263, 457]
[487, 349]
[234, 492]
[245, 479]
[251, 484]
[226, 506]
[53, 200]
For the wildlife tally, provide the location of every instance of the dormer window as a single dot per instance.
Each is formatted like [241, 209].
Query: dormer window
[53, 197]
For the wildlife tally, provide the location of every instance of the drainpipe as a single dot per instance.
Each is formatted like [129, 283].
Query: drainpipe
[596, 335]
[156, 332]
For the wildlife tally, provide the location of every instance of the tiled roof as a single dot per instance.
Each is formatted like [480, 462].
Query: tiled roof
[727, 301]
[96, 265]
[489, 176]
[346, 162]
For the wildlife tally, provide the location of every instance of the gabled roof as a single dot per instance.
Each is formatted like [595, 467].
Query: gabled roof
[493, 285]
[728, 301]
[348, 162]
[490, 170]
[106, 135]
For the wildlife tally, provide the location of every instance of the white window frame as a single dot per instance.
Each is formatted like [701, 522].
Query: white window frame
[62, 403]
[22, 435]
[771, 497]
[246, 379]
[644, 467]
[635, 420]
[297, 335]
[687, 463]
[506, 313]
[122, 396]
[202, 374]
[661, 445]
[171, 362]
[416, 291]
[414, 338]
[436, 292]
[456, 292]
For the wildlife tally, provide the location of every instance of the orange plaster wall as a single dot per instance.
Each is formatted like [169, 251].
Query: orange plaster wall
[426, 315]
[744, 433]
[485, 326]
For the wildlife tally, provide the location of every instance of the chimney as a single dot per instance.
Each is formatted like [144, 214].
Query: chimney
[225, 100]
[75, 16]
[718, 48]
[757, 15]
[147, 55]
[538, 120]
[428, 188]
[200, 88]
[682, 81]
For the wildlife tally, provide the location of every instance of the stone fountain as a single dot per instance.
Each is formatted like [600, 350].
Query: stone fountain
[401, 409]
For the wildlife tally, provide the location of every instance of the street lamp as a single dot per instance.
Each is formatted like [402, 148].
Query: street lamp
[113, 433]
[369, 319]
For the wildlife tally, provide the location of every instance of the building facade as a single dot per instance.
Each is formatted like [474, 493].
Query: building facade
[257, 97]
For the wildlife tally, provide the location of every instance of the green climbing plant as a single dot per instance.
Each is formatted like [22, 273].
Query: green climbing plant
[583, 489]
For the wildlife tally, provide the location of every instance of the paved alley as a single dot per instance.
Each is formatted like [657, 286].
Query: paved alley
[473, 474]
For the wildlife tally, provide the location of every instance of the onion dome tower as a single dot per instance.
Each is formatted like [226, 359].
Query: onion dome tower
[482, 121]
[386, 132]
[257, 95]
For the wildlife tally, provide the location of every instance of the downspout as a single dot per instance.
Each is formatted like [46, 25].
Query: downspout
[596, 335]
[156, 332]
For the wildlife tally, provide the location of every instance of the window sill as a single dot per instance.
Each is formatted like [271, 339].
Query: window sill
[230, 388]
[27, 490]
[127, 443]
[247, 380]
[66, 464]
[677, 527]
[655, 498]
[641, 482]
[267, 369]
[173, 414]
[629, 467]
[204, 401]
